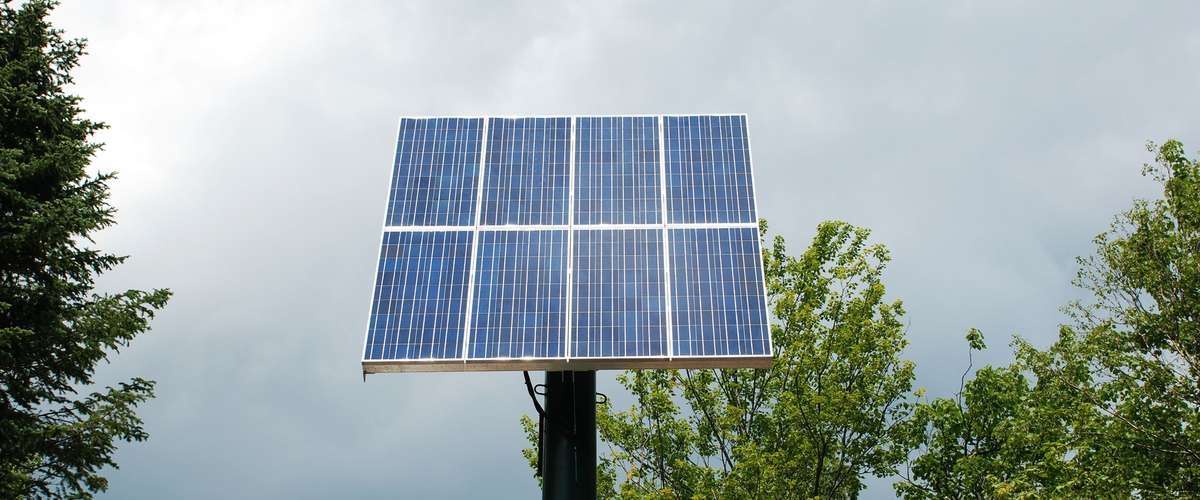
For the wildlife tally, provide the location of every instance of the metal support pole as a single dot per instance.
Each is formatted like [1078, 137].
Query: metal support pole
[569, 440]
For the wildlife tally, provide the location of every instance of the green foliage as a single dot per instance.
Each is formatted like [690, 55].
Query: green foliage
[1000, 436]
[1139, 338]
[1112, 407]
[53, 328]
[820, 419]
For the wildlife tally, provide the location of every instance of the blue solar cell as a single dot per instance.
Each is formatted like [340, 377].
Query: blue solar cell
[527, 172]
[617, 298]
[420, 296]
[435, 175]
[519, 305]
[708, 169]
[617, 170]
[717, 297]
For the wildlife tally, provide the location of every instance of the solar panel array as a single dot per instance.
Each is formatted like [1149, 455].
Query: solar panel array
[569, 243]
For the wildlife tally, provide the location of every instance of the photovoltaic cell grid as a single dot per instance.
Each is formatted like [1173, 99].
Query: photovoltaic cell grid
[519, 309]
[435, 172]
[616, 171]
[717, 301]
[420, 288]
[511, 280]
[617, 304]
[527, 172]
[708, 169]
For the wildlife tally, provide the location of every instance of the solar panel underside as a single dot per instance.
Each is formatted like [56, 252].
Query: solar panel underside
[569, 243]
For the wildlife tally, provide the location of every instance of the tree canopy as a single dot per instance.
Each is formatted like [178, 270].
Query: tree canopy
[1111, 408]
[54, 328]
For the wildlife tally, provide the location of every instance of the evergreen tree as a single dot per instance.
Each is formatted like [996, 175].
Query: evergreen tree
[54, 328]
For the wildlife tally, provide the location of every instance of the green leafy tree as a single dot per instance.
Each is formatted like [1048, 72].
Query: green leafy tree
[1001, 435]
[816, 423]
[53, 328]
[1133, 351]
[1112, 407]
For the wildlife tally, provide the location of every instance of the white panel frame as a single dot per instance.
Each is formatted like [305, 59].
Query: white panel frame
[570, 246]
[475, 240]
[666, 238]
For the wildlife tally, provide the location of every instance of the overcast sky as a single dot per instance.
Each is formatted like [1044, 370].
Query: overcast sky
[984, 145]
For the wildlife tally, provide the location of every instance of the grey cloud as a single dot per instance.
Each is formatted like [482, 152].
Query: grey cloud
[984, 144]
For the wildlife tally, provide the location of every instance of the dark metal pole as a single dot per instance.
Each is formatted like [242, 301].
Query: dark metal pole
[585, 435]
[569, 440]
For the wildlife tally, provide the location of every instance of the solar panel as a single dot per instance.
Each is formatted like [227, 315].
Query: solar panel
[717, 301]
[616, 171]
[519, 307]
[617, 305]
[417, 312]
[527, 172]
[435, 171]
[569, 243]
[708, 169]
